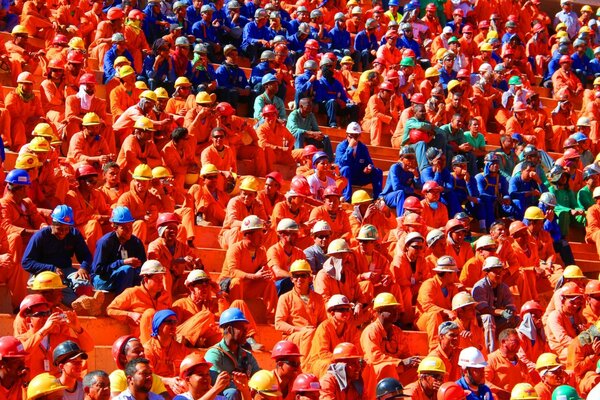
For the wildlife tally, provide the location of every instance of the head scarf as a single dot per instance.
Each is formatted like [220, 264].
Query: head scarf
[159, 318]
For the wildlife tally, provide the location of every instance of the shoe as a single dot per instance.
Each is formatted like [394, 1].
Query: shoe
[255, 345]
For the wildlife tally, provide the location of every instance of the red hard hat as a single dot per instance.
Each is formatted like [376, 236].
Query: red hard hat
[60, 39]
[284, 348]
[571, 289]
[118, 348]
[417, 135]
[515, 227]
[571, 154]
[190, 361]
[87, 78]
[269, 109]
[452, 391]
[538, 28]
[417, 98]
[75, 57]
[225, 108]
[413, 219]
[345, 350]
[311, 44]
[431, 185]
[11, 347]
[408, 53]
[306, 383]
[592, 287]
[389, 86]
[454, 224]
[115, 13]
[484, 24]
[391, 75]
[379, 60]
[431, 7]
[467, 28]
[509, 52]
[56, 64]
[569, 142]
[167, 218]
[331, 56]
[30, 301]
[300, 185]
[85, 170]
[412, 203]
[513, 18]
[463, 73]
[276, 175]
[309, 150]
[565, 59]
[331, 191]
[136, 14]
[530, 306]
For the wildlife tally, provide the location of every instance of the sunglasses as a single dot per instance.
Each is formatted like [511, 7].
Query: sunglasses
[300, 276]
[342, 309]
[211, 177]
[170, 322]
[417, 247]
[41, 314]
[322, 236]
[218, 137]
[294, 364]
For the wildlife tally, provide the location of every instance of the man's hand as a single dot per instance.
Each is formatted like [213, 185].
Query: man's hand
[368, 169]
[352, 141]
[60, 273]
[82, 274]
[466, 334]
[222, 382]
[52, 324]
[412, 362]
[263, 273]
[135, 317]
[5, 261]
[134, 262]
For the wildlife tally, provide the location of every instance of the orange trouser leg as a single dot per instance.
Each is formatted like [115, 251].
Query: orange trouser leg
[265, 289]
[146, 325]
[215, 214]
[92, 232]
[229, 237]
[201, 330]
[256, 154]
[270, 159]
[18, 134]
[140, 229]
[377, 129]
[187, 220]
[15, 278]
[303, 339]
[429, 323]
[5, 125]
[408, 312]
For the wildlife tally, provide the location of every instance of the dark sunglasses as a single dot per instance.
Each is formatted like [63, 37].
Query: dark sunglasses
[294, 364]
[41, 314]
[300, 276]
[211, 177]
[323, 236]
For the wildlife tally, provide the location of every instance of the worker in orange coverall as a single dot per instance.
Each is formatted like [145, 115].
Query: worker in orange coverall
[275, 139]
[138, 148]
[246, 274]
[178, 156]
[297, 318]
[209, 201]
[88, 145]
[583, 354]
[338, 328]
[346, 361]
[434, 300]
[386, 345]
[137, 305]
[25, 110]
[282, 254]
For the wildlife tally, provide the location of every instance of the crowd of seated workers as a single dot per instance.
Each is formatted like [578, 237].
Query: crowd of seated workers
[372, 172]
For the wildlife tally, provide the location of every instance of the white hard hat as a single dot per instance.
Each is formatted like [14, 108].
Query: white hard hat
[251, 223]
[152, 267]
[338, 300]
[354, 128]
[471, 357]
[320, 226]
[287, 224]
[492, 262]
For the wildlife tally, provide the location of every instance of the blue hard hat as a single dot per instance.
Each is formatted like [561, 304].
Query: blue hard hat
[18, 177]
[394, 3]
[232, 315]
[579, 136]
[63, 214]
[318, 155]
[268, 78]
[121, 215]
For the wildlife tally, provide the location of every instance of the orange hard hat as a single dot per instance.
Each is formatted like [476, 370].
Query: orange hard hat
[345, 351]
[413, 204]
[530, 306]
[516, 227]
[592, 287]
[284, 348]
[189, 362]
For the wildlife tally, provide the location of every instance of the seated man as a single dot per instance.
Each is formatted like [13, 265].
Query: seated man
[282, 254]
[356, 164]
[270, 84]
[232, 83]
[332, 97]
[113, 188]
[221, 156]
[447, 348]
[209, 201]
[402, 180]
[179, 157]
[88, 146]
[431, 371]
[332, 214]
[118, 256]
[137, 305]
[346, 361]
[276, 141]
[25, 110]
[138, 148]
[52, 249]
[245, 271]
[302, 124]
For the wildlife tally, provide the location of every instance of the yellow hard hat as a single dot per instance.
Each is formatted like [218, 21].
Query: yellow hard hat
[142, 172]
[597, 81]
[182, 81]
[432, 364]
[44, 130]
[452, 84]
[561, 34]
[360, 196]
[19, 30]
[148, 94]
[144, 123]
[491, 35]
[39, 144]
[161, 172]
[191, 179]
[486, 47]
[587, 8]
[205, 98]
[384, 300]
[573, 272]
[141, 85]
[432, 72]
[547, 360]
[126, 70]
[462, 299]
[90, 119]
[534, 213]
[265, 382]
[47, 280]
[585, 29]
[523, 391]
[300, 266]
[347, 60]
[43, 385]
[121, 60]
[249, 184]
[561, 25]
[208, 169]
[77, 43]
[161, 93]
[27, 161]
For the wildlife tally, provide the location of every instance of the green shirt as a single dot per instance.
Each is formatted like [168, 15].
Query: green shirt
[222, 359]
[298, 125]
[477, 142]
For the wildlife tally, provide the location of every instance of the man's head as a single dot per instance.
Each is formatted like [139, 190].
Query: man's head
[234, 325]
[196, 372]
[509, 343]
[69, 357]
[551, 370]
[473, 364]
[153, 276]
[62, 221]
[305, 106]
[431, 372]
[96, 385]
[12, 360]
[139, 375]
[448, 334]
[386, 307]
[287, 360]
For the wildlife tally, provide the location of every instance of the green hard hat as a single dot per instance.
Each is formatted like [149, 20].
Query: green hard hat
[565, 392]
[407, 62]
[515, 80]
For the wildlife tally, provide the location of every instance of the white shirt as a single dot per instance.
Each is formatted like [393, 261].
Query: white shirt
[126, 395]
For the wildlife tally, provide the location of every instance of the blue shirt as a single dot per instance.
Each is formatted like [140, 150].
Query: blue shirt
[230, 77]
[594, 67]
[193, 15]
[442, 178]
[406, 43]
[260, 70]
[340, 39]
[345, 157]
[483, 391]
[295, 44]
[45, 252]
[151, 29]
[205, 31]
[580, 62]
[518, 189]
[364, 41]
[109, 60]
[399, 179]
[205, 75]
[446, 77]
[304, 87]
[162, 73]
[252, 33]
[110, 253]
[327, 90]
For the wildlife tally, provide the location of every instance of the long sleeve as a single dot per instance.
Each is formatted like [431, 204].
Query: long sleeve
[32, 255]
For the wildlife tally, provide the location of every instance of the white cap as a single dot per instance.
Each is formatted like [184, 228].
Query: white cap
[338, 300]
[447, 30]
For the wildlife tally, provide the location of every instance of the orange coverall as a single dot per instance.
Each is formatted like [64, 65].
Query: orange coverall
[178, 162]
[165, 362]
[24, 115]
[87, 215]
[140, 207]
[330, 390]
[275, 135]
[213, 209]
[453, 370]
[502, 375]
[340, 226]
[379, 119]
[235, 213]
[132, 154]
[431, 304]
[81, 148]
